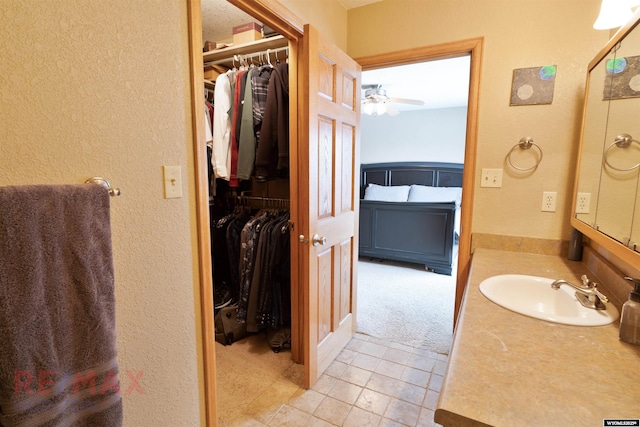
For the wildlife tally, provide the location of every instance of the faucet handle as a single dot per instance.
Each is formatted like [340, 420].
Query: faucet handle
[631, 279]
[600, 295]
[587, 283]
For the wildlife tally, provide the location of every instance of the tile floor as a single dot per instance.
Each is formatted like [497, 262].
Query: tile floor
[371, 383]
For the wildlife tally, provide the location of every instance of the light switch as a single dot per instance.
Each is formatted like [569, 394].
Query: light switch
[491, 178]
[172, 182]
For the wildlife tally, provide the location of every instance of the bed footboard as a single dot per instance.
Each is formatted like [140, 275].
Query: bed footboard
[420, 233]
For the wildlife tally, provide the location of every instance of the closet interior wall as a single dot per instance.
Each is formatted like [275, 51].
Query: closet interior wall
[251, 272]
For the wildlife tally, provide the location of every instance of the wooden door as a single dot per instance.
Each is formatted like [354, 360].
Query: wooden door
[328, 171]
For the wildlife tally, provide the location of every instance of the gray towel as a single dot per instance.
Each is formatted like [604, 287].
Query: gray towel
[58, 351]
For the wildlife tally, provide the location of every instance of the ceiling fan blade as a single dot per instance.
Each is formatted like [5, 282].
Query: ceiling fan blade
[390, 110]
[407, 101]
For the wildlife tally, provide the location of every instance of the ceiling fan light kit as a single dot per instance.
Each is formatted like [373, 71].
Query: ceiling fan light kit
[375, 108]
[376, 102]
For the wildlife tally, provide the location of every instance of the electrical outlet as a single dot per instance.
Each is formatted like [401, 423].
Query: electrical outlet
[583, 203]
[549, 201]
[491, 178]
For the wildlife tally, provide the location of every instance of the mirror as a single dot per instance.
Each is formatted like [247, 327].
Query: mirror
[606, 204]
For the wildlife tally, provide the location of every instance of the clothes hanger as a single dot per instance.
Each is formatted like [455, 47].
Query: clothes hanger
[269, 57]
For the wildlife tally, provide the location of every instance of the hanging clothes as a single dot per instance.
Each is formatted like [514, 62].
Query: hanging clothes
[274, 301]
[208, 132]
[246, 133]
[221, 157]
[250, 248]
[208, 123]
[248, 251]
[250, 254]
[272, 157]
[259, 87]
[236, 112]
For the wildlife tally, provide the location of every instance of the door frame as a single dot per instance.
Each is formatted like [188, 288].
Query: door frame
[273, 14]
[473, 48]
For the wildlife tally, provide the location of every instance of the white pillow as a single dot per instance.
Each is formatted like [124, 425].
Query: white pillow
[425, 194]
[381, 193]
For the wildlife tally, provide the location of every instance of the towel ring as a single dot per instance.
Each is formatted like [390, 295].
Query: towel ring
[101, 181]
[622, 141]
[524, 144]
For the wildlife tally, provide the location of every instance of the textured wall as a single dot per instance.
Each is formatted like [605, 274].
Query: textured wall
[517, 34]
[101, 88]
[329, 17]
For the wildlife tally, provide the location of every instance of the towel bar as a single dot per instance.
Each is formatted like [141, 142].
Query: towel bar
[524, 144]
[623, 140]
[101, 181]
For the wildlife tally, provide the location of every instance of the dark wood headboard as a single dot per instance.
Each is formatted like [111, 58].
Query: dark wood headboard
[406, 173]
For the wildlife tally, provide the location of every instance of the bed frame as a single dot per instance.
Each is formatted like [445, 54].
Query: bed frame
[413, 232]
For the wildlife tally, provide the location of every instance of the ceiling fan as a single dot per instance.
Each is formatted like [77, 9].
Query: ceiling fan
[376, 102]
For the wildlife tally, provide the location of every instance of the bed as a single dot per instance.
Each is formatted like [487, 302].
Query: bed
[409, 211]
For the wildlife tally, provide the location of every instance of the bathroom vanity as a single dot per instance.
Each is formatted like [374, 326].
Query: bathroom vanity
[507, 369]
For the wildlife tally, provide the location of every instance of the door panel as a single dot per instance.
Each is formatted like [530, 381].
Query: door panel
[324, 297]
[330, 160]
[345, 277]
[348, 135]
[325, 161]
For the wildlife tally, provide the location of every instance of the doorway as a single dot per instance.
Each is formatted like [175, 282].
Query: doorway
[323, 324]
[291, 31]
[472, 48]
[423, 119]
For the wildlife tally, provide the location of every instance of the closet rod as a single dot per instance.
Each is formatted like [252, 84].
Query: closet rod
[264, 199]
[263, 202]
[249, 55]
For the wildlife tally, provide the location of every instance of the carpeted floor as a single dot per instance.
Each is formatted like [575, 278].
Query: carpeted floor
[406, 304]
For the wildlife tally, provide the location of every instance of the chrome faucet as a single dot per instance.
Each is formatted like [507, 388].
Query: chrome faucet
[588, 294]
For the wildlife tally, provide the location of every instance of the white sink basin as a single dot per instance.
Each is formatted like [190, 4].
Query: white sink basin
[533, 296]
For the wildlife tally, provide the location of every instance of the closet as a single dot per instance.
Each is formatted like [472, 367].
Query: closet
[247, 134]
[320, 189]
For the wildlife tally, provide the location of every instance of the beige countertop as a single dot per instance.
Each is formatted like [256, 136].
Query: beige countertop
[506, 369]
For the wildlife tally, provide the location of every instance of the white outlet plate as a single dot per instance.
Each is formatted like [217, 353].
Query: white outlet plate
[491, 178]
[172, 182]
[549, 199]
[583, 203]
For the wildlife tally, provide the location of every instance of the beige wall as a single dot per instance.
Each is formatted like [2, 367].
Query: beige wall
[102, 88]
[517, 34]
[328, 16]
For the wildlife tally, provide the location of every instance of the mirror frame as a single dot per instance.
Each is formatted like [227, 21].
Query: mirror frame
[611, 245]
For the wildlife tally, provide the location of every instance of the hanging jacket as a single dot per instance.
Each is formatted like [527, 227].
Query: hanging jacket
[221, 158]
[247, 137]
[272, 157]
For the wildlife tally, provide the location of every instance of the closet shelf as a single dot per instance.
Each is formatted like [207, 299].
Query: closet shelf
[244, 49]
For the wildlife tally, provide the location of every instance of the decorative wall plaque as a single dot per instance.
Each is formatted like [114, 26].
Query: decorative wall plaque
[533, 86]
